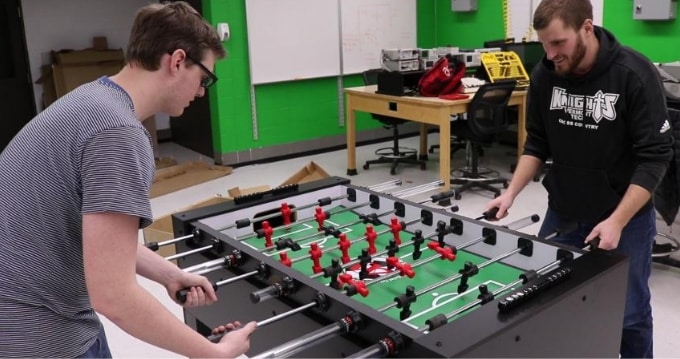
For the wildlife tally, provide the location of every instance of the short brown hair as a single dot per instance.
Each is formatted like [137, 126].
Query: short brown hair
[572, 12]
[160, 29]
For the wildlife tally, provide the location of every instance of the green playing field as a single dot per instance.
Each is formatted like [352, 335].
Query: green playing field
[430, 301]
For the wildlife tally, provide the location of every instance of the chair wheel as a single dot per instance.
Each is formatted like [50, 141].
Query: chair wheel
[536, 178]
[496, 195]
[393, 171]
[423, 166]
[505, 184]
[366, 166]
[457, 196]
[431, 150]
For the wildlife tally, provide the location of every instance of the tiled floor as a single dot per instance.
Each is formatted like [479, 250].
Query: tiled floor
[665, 281]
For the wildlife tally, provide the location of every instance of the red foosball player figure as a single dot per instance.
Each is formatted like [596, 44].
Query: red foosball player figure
[344, 245]
[371, 236]
[444, 253]
[404, 268]
[353, 286]
[285, 260]
[320, 217]
[267, 232]
[315, 254]
[286, 214]
[395, 228]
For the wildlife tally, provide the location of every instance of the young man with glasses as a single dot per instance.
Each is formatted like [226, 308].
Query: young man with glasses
[75, 192]
[597, 109]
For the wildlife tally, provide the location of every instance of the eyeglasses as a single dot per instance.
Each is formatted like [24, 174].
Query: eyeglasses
[210, 79]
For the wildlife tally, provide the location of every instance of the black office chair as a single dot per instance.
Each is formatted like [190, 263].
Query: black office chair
[393, 155]
[486, 118]
[456, 144]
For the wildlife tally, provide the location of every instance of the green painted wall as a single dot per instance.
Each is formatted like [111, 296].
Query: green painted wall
[468, 29]
[658, 40]
[286, 112]
[302, 110]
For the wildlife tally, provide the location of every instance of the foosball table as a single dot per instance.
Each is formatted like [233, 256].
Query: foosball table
[330, 269]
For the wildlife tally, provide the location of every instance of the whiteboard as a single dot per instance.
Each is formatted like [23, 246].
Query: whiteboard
[301, 39]
[292, 39]
[369, 26]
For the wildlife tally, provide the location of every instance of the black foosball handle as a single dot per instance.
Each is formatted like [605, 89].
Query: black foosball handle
[181, 294]
[489, 215]
[593, 244]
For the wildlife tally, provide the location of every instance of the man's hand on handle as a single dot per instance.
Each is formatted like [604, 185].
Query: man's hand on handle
[201, 290]
[235, 338]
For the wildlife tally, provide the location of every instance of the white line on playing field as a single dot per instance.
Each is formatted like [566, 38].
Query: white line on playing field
[452, 296]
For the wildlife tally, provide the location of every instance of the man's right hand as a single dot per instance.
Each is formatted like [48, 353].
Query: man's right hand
[237, 341]
[503, 203]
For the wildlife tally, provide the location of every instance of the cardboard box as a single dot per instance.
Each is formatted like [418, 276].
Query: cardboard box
[87, 57]
[58, 80]
[238, 191]
[68, 77]
[164, 162]
[100, 43]
[310, 172]
[46, 79]
[174, 178]
[72, 68]
[161, 229]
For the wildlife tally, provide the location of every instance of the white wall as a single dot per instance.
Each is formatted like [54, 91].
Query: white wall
[520, 18]
[71, 24]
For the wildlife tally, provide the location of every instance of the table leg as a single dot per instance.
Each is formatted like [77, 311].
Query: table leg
[445, 150]
[351, 137]
[423, 142]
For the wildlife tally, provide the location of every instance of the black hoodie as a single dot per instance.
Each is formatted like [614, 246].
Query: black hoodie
[603, 130]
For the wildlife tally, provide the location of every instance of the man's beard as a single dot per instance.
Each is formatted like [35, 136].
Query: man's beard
[575, 59]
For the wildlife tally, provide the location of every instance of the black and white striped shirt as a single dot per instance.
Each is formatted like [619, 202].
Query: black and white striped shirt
[87, 153]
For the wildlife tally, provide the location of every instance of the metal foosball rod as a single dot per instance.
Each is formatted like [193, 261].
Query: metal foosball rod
[245, 222]
[371, 218]
[310, 219]
[207, 267]
[154, 246]
[215, 244]
[439, 197]
[435, 198]
[325, 250]
[469, 267]
[523, 222]
[519, 224]
[262, 271]
[516, 225]
[524, 246]
[427, 187]
[320, 302]
[232, 260]
[412, 191]
[385, 185]
[441, 231]
[350, 323]
[485, 296]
